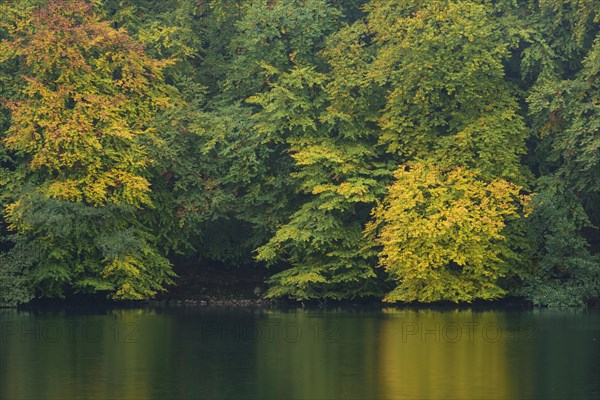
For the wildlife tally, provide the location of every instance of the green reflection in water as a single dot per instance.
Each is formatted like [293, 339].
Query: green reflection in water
[299, 354]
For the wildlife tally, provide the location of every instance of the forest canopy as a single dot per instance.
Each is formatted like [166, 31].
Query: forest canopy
[408, 151]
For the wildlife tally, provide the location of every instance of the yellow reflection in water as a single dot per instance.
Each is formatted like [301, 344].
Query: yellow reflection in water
[60, 356]
[431, 354]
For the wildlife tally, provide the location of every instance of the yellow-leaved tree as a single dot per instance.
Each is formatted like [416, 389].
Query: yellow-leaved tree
[441, 233]
[90, 92]
[80, 137]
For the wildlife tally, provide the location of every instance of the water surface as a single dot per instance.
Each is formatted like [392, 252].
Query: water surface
[220, 353]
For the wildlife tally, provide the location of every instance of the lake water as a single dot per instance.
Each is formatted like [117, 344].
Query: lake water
[220, 353]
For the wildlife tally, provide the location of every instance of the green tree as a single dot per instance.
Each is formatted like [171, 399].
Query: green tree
[442, 64]
[282, 34]
[322, 240]
[556, 52]
[325, 116]
[567, 116]
[564, 272]
[234, 196]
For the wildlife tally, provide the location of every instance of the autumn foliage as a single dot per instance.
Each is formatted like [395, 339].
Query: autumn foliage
[80, 128]
[410, 151]
[442, 233]
[90, 92]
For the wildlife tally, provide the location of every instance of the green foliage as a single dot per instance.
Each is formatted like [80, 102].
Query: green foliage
[322, 239]
[14, 288]
[217, 186]
[230, 186]
[64, 246]
[324, 138]
[565, 274]
[442, 64]
[168, 29]
[563, 105]
[569, 118]
[285, 34]
[554, 36]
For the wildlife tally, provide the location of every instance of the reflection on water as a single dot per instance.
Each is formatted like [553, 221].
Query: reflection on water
[299, 354]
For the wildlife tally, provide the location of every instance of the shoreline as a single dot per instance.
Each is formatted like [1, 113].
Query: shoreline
[233, 287]
[512, 303]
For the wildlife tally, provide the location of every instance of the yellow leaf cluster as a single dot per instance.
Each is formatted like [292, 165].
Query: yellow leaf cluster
[90, 93]
[441, 233]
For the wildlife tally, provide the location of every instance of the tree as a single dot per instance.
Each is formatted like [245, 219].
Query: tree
[449, 111]
[442, 64]
[564, 273]
[558, 55]
[567, 114]
[79, 136]
[334, 171]
[322, 138]
[442, 233]
[285, 34]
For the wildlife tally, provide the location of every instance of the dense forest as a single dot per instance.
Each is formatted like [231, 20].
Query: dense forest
[410, 151]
